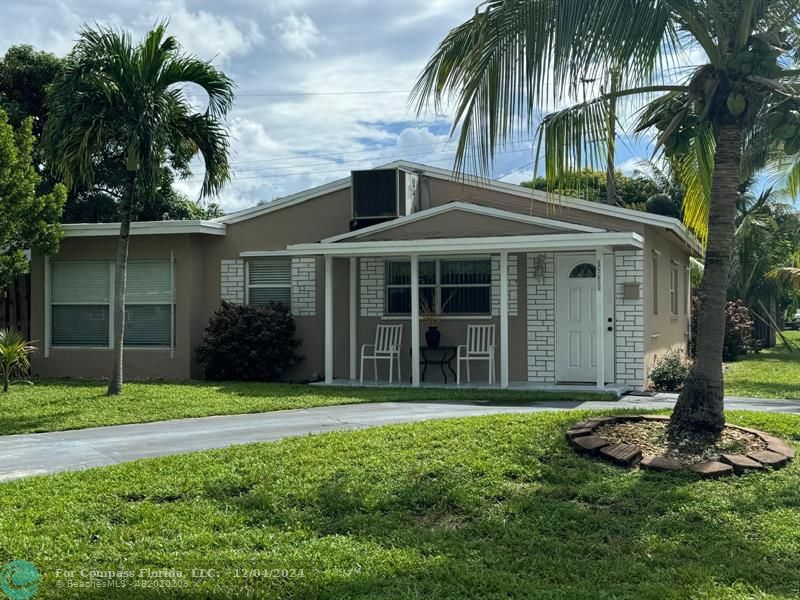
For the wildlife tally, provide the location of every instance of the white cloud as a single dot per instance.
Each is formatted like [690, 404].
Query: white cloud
[631, 165]
[203, 33]
[299, 34]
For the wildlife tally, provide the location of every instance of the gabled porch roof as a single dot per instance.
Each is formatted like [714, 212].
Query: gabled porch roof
[544, 234]
[488, 214]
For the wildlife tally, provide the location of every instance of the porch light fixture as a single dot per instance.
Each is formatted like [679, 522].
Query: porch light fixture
[539, 267]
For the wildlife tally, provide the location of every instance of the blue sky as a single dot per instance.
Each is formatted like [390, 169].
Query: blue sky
[322, 85]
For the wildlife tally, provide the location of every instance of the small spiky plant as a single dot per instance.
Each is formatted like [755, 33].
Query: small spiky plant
[15, 352]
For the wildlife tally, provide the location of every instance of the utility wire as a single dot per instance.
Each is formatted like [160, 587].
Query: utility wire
[343, 167]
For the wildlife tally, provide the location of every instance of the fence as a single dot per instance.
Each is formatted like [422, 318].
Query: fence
[15, 305]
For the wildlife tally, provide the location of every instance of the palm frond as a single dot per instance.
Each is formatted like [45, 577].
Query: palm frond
[513, 54]
[695, 170]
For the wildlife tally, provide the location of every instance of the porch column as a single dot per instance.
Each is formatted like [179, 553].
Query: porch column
[504, 319]
[353, 317]
[414, 320]
[328, 319]
[600, 321]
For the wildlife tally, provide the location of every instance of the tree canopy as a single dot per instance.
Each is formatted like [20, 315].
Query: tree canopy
[25, 74]
[28, 220]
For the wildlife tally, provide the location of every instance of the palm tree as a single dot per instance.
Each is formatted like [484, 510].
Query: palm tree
[515, 55]
[125, 101]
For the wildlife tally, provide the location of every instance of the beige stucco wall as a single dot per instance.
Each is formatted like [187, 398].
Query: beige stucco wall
[442, 192]
[664, 330]
[191, 282]
[457, 224]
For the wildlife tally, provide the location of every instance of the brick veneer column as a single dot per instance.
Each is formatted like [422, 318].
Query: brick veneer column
[304, 286]
[629, 317]
[372, 286]
[541, 293]
[232, 280]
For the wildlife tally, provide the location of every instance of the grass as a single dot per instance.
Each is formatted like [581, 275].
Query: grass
[772, 373]
[65, 404]
[489, 507]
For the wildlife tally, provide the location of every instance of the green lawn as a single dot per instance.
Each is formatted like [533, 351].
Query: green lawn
[772, 373]
[59, 405]
[489, 507]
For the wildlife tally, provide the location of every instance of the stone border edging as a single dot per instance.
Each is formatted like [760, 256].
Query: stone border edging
[581, 436]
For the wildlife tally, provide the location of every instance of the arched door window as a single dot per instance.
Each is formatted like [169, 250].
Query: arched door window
[583, 270]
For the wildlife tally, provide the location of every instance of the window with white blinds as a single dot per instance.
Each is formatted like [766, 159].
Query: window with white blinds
[81, 295]
[269, 280]
[148, 304]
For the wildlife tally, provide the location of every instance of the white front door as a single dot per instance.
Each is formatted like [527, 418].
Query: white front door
[576, 324]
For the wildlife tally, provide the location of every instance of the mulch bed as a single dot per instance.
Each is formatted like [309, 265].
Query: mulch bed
[641, 440]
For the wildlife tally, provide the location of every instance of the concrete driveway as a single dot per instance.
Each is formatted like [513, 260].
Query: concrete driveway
[42, 453]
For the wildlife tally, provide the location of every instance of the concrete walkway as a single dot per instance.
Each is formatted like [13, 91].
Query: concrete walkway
[42, 453]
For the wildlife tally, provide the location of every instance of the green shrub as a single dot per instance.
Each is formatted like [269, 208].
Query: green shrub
[738, 330]
[249, 343]
[663, 204]
[670, 371]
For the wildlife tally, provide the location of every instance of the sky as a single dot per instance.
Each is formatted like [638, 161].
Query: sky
[322, 85]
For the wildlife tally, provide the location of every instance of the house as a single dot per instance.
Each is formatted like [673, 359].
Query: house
[568, 284]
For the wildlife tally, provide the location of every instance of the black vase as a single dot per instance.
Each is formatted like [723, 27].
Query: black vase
[432, 337]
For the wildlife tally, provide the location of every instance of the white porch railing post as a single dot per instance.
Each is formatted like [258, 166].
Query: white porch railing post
[504, 319]
[353, 317]
[599, 321]
[415, 320]
[328, 319]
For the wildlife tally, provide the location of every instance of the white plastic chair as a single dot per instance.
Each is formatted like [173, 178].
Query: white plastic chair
[480, 346]
[388, 339]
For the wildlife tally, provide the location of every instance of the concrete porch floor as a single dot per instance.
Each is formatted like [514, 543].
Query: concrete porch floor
[614, 388]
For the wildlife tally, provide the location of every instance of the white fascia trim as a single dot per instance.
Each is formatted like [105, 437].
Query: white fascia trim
[558, 241]
[144, 228]
[463, 207]
[264, 253]
[628, 214]
[268, 207]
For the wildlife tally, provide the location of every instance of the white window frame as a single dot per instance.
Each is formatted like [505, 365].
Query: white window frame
[654, 269]
[687, 287]
[171, 345]
[248, 285]
[437, 287]
[49, 304]
[674, 308]
[111, 299]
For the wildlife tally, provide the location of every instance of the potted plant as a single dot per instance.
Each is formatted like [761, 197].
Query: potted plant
[427, 309]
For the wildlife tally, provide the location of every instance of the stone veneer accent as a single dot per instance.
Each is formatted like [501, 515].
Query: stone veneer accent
[372, 278]
[304, 286]
[232, 280]
[541, 294]
[629, 317]
[512, 285]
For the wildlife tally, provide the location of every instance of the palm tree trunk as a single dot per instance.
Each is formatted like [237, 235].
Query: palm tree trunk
[120, 282]
[699, 408]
